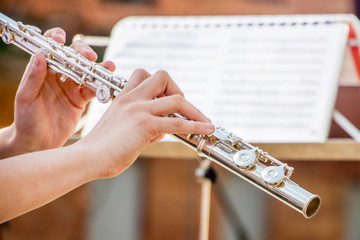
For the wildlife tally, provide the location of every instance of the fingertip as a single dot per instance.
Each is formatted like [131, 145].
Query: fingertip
[39, 60]
[140, 73]
[163, 83]
[209, 128]
[84, 49]
[87, 93]
[90, 54]
[58, 34]
[60, 38]
[208, 119]
[109, 65]
[136, 78]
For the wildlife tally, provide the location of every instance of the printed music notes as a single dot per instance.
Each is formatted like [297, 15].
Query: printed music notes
[266, 78]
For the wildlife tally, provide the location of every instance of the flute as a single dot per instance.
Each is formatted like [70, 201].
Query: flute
[222, 147]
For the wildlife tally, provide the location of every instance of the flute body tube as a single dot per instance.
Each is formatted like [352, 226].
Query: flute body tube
[254, 166]
[222, 147]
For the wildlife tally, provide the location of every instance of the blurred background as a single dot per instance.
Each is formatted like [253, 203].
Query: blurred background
[159, 198]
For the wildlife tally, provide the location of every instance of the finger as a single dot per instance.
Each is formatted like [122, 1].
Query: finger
[108, 65]
[159, 84]
[57, 34]
[183, 126]
[158, 138]
[88, 93]
[34, 77]
[137, 77]
[176, 104]
[84, 50]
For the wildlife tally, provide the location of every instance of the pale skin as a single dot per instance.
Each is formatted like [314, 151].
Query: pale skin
[35, 169]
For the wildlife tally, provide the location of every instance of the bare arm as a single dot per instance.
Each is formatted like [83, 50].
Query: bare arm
[31, 180]
[132, 122]
[46, 113]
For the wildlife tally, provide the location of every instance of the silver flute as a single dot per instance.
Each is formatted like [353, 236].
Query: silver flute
[222, 147]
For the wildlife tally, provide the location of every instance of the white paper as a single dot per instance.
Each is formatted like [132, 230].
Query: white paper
[264, 82]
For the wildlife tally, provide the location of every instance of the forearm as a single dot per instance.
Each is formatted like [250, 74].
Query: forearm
[31, 180]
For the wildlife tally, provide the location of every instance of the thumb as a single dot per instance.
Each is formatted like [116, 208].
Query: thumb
[33, 77]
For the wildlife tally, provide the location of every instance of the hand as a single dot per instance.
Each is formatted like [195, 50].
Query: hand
[134, 120]
[46, 109]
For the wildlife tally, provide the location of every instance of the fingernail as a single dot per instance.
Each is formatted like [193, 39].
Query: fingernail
[60, 37]
[41, 51]
[89, 52]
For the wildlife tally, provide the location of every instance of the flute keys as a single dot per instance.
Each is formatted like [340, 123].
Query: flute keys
[273, 175]
[245, 158]
[103, 94]
[34, 28]
[63, 78]
[7, 37]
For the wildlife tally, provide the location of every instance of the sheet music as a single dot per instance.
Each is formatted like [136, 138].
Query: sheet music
[268, 79]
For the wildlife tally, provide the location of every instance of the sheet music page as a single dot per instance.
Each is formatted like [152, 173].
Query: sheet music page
[267, 79]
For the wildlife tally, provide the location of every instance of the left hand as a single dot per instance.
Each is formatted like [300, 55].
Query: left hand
[134, 119]
[46, 109]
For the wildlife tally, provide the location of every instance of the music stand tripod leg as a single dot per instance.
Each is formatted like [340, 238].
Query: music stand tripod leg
[207, 177]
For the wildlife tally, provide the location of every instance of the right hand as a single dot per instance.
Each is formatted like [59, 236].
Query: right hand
[46, 109]
[134, 120]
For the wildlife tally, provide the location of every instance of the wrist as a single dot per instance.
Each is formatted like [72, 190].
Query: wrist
[91, 161]
[8, 147]
[15, 142]
[82, 160]
[101, 164]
